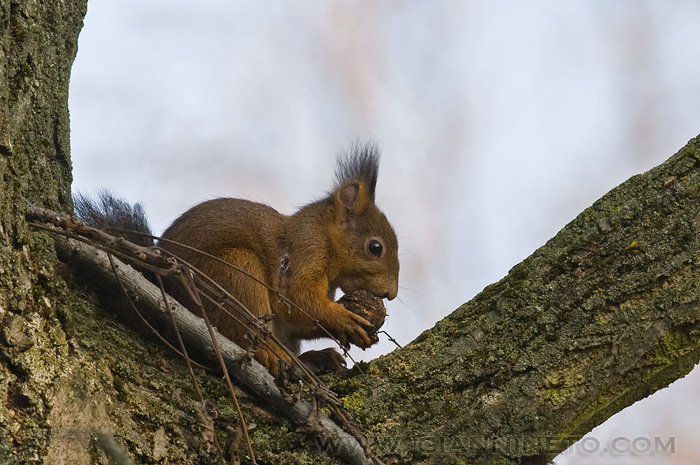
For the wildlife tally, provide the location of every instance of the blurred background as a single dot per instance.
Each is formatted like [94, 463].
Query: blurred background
[499, 122]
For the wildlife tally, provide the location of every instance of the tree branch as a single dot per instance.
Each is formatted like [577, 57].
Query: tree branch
[601, 316]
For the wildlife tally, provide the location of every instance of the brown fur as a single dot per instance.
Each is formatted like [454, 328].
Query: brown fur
[306, 256]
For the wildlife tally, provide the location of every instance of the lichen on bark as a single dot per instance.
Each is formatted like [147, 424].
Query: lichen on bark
[602, 315]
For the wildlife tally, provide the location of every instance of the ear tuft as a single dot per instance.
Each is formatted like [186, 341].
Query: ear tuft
[361, 166]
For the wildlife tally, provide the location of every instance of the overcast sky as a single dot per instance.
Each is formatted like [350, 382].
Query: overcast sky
[498, 121]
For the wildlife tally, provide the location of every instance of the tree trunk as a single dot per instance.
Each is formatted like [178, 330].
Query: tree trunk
[37, 47]
[602, 315]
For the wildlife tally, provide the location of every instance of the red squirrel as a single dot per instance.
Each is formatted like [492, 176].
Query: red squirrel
[340, 241]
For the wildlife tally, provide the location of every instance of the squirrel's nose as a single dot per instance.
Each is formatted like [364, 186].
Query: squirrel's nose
[391, 294]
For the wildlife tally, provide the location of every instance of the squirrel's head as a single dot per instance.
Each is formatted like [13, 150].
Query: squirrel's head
[363, 239]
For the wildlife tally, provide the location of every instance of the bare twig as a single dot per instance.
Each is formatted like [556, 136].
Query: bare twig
[186, 356]
[390, 338]
[188, 282]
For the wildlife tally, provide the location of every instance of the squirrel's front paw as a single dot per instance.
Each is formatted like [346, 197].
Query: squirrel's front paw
[353, 330]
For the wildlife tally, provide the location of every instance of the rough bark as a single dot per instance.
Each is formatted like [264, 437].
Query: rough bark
[602, 315]
[37, 47]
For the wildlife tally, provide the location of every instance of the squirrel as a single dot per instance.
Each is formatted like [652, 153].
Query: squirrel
[340, 241]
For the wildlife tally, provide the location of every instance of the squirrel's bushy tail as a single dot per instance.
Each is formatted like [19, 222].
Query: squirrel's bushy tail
[108, 212]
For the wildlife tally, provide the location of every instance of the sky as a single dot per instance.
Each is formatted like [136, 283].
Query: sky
[498, 123]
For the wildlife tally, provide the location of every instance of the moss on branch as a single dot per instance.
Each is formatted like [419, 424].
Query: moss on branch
[601, 316]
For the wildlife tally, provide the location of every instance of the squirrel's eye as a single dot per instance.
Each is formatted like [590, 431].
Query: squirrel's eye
[375, 247]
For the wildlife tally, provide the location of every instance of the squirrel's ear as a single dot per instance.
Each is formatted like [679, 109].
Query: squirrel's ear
[351, 197]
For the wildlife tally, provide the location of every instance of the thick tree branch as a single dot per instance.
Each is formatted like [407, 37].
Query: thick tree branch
[601, 316]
